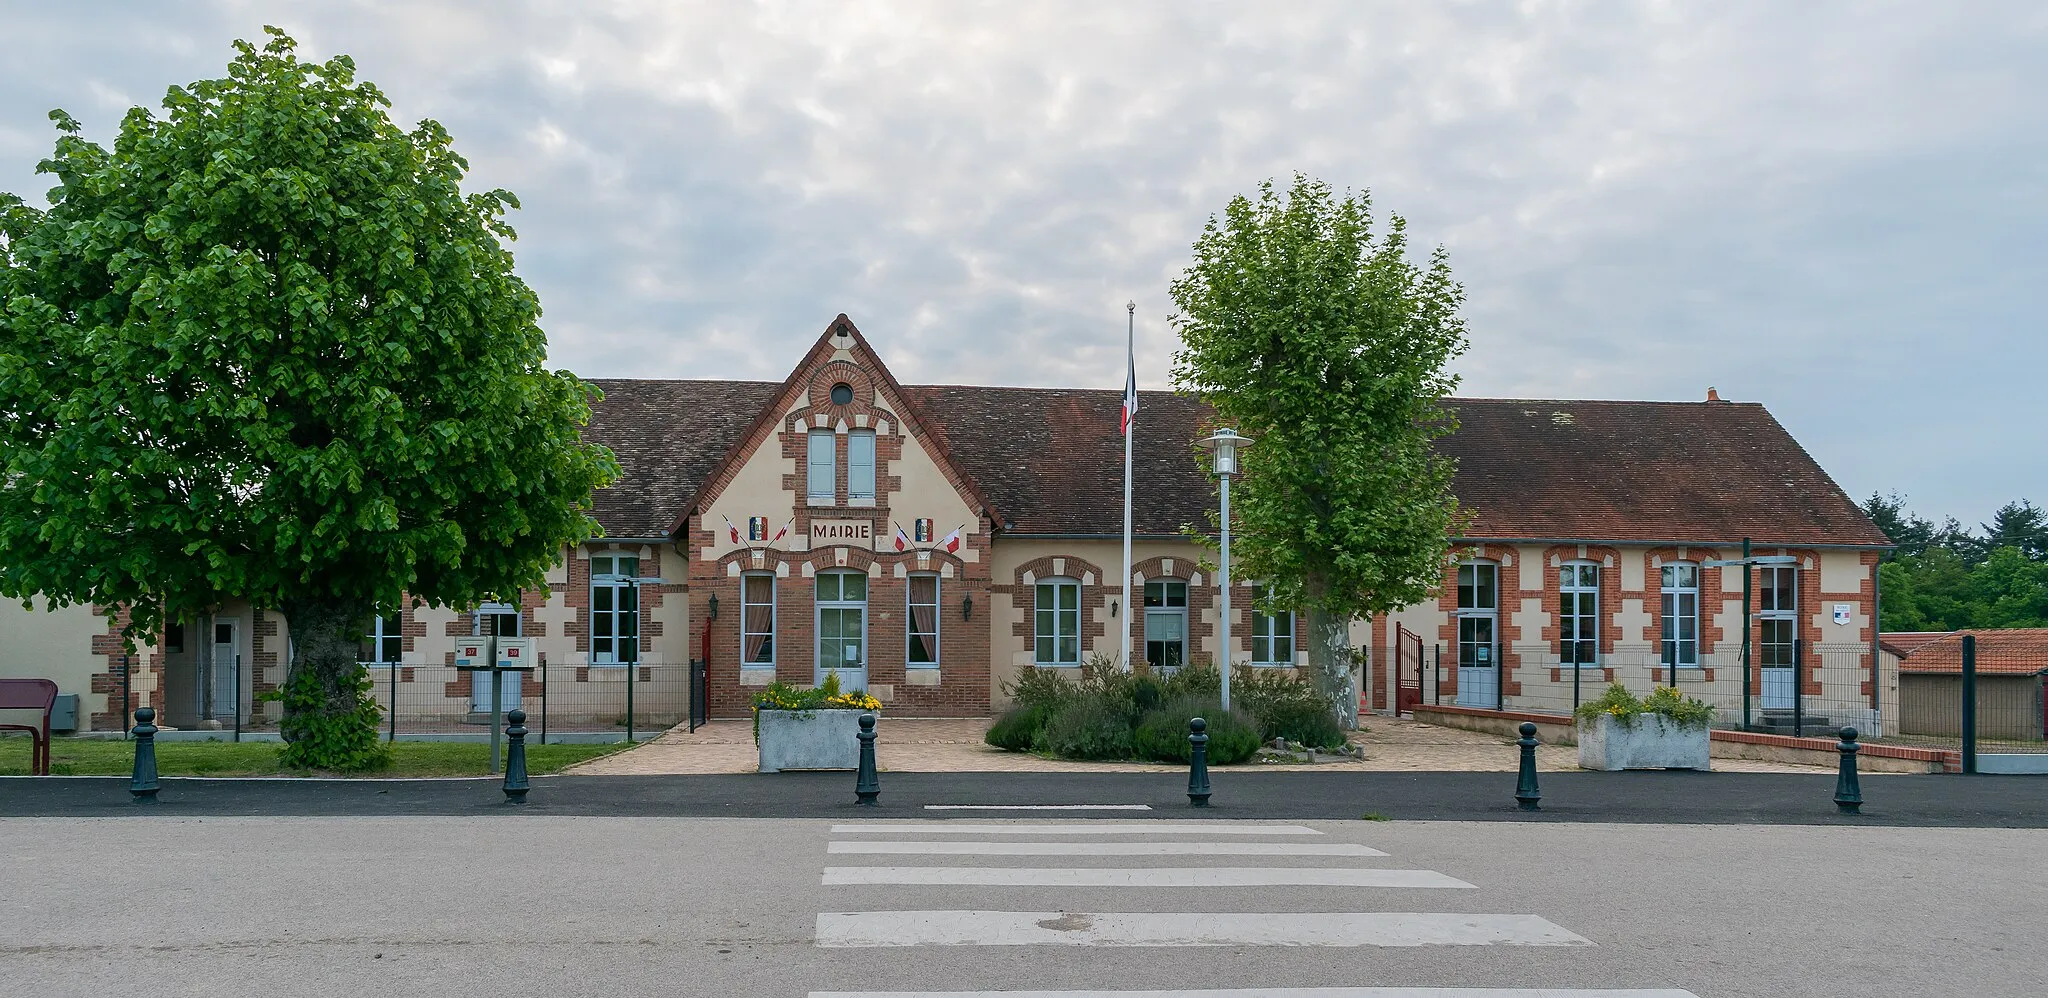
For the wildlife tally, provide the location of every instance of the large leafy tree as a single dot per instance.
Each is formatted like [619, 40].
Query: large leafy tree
[1948, 577]
[1327, 342]
[265, 348]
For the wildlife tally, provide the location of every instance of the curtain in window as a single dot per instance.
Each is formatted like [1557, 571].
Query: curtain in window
[924, 617]
[760, 615]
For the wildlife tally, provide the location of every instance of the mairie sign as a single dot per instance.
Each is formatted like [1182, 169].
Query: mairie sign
[849, 533]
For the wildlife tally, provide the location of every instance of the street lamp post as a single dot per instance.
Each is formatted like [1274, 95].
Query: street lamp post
[1225, 443]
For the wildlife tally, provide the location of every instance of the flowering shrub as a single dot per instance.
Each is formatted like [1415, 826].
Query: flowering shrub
[1618, 702]
[779, 695]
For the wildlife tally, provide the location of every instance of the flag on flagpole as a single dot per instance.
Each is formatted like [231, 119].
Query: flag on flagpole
[730, 530]
[902, 539]
[1130, 391]
[784, 532]
[952, 540]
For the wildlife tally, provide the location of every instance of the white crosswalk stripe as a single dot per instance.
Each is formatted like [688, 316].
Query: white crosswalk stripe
[1179, 928]
[948, 843]
[1144, 876]
[1072, 828]
[1286, 993]
[840, 848]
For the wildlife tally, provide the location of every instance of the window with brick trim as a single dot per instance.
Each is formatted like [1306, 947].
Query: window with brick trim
[757, 619]
[1056, 623]
[1166, 624]
[1578, 614]
[497, 620]
[384, 645]
[1680, 608]
[822, 460]
[922, 622]
[1272, 635]
[614, 609]
[860, 466]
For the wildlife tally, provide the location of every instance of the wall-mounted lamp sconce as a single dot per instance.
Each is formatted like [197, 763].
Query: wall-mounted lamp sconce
[714, 606]
[967, 607]
[1112, 608]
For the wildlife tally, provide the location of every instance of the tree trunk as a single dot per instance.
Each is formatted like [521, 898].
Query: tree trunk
[1330, 662]
[326, 637]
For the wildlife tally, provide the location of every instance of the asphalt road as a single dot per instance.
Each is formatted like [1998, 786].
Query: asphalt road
[1668, 797]
[604, 906]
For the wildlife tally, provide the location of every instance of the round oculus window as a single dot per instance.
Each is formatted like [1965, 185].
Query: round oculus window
[842, 394]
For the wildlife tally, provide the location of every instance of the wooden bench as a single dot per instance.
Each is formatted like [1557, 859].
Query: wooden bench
[31, 694]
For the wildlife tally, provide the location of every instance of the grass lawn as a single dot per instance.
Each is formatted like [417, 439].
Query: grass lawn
[113, 757]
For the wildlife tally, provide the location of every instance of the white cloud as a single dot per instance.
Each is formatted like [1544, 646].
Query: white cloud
[1832, 208]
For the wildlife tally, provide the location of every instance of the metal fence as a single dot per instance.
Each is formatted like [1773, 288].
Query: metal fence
[1975, 692]
[1802, 688]
[1967, 692]
[562, 702]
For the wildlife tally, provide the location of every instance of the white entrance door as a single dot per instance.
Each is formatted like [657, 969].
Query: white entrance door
[1775, 659]
[843, 629]
[1478, 673]
[497, 619]
[223, 688]
[1777, 689]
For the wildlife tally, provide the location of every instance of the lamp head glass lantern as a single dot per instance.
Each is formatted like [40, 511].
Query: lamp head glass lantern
[1225, 443]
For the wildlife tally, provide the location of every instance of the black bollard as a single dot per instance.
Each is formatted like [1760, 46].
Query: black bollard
[516, 784]
[1848, 789]
[143, 783]
[1526, 793]
[1198, 762]
[867, 785]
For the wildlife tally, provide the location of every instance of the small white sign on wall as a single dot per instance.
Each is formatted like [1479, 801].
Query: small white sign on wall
[1844, 612]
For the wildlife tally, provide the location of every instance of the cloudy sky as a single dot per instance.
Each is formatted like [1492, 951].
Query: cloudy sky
[1836, 209]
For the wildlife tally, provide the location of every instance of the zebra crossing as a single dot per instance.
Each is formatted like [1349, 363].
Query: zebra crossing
[1025, 859]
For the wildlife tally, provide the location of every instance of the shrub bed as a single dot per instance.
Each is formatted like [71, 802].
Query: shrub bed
[1287, 706]
[1101, 712]
[1090, 727]
[1162, 734]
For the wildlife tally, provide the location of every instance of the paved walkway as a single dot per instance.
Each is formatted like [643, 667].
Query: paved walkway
[916, 745]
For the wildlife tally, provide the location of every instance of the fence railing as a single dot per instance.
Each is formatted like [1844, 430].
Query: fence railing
[1989, 692]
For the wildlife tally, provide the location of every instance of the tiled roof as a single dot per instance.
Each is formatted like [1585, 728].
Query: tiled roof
[1904, 643]
[2018, 651]
[1656, 471]
[1050, 461]
[668, 437]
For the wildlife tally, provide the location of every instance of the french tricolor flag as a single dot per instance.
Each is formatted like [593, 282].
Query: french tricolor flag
[952, 541]
[1130, 392]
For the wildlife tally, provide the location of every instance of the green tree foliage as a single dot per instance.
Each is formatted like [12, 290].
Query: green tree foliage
[1323, 340]
[1947, 578]
[265, 348]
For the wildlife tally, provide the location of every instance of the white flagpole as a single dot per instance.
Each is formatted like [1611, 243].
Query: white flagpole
[1130, 430]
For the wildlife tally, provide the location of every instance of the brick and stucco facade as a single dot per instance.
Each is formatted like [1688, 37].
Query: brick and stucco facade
[717, 488]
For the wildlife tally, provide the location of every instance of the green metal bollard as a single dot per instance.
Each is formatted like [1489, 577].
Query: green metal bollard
[867, 784]
[516, 783]
[1848, 789]
[1198, 763]
[143, 783]
[1526, 793]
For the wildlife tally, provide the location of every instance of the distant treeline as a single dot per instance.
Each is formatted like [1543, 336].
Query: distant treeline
[1944, 577]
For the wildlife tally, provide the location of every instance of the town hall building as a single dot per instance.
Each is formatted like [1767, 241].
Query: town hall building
[927, 543]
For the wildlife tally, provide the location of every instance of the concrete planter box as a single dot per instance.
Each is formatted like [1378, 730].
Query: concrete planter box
[810, 739]
[1654, 742]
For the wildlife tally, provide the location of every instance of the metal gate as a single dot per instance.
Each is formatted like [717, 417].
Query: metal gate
[1408, 665]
